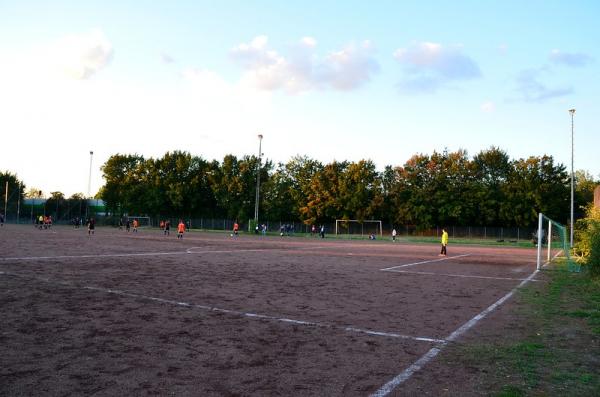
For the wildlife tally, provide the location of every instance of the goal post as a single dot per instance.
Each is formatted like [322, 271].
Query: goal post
[552, 236]
[356, 227]
[143, 221]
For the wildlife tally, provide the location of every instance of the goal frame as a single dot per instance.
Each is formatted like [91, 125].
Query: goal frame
[131, 218]
[544, 221]
[378, 222]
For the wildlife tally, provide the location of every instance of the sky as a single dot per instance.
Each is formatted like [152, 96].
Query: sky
[332, 80]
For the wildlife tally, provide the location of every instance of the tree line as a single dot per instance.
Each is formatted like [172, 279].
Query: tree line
[54, 203]
[488, 189]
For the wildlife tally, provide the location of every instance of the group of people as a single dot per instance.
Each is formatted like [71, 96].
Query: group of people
[128, 225]
[43, 222]
[165, 226]
[313, 231]
[443, 252]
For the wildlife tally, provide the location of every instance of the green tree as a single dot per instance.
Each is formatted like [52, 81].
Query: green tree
[491, 169]
[11, 197]
[300, 171]
[121, 173]
[584, 192]
[535, 185]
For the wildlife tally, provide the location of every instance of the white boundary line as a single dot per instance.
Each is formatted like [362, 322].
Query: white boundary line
[34, 258]
[434, 351]
[460, 275]
[234, 312]
[187, 251]
[387, 269]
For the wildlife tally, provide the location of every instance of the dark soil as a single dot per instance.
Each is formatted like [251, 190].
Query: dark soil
[77, 319]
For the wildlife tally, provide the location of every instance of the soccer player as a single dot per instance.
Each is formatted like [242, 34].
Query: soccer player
[135, 225]
[236, 228]
[91, 226]
[167, 227]
[180, 229]
[444, 242]
[394, 234]
[127, 225]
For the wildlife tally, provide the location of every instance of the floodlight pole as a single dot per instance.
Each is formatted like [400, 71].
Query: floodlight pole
[89, 191]
[90, 176]
[5, 199]
[19, 203]
[260, 137]
[572, 111]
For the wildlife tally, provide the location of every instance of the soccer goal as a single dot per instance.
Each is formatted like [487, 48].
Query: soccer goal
[552, 236]
[353, 227]
[143, 221]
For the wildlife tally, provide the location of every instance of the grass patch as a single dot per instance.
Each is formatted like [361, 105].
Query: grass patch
[557, 349]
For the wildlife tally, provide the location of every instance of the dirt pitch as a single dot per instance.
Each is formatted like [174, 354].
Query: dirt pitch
[144, 314]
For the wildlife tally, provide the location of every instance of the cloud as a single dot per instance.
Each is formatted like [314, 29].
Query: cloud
[302, 69]
[166, 58]
[81, 56]
[431, 66]
[488, 107]
[531, 89]
[575, 59]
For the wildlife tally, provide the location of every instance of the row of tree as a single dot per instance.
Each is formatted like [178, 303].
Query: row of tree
[53, 203]
[488, 189]
[428, 190]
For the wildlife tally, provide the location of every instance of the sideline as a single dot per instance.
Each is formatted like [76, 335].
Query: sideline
[434, 351]
[387, 269]
[462, 275]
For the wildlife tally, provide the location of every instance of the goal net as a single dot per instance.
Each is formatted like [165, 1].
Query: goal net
[552, 245]
[353, 227]
[143, 221]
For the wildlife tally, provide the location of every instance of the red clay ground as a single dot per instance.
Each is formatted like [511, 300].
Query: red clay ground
[145, 314]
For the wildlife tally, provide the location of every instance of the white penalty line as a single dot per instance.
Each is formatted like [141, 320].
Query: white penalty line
[236, 312]
[434, 351]
[187, 251]
[387, 269]
[461, 275]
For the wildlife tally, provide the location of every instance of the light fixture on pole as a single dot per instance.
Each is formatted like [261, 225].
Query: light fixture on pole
[260, 137]
[572, 111]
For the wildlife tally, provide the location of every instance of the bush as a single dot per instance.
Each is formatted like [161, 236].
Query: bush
[588, 240]
[594, 258]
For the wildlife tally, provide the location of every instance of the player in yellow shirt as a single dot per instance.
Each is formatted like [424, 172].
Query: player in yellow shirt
[444, 242]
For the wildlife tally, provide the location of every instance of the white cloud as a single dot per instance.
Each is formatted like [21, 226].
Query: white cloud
[302, 70]
[488, 107]
[530, 88]
[573, 59]
[430, 66]
[166, 58]
[72, 57]
[309, 42]
[81, 56]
